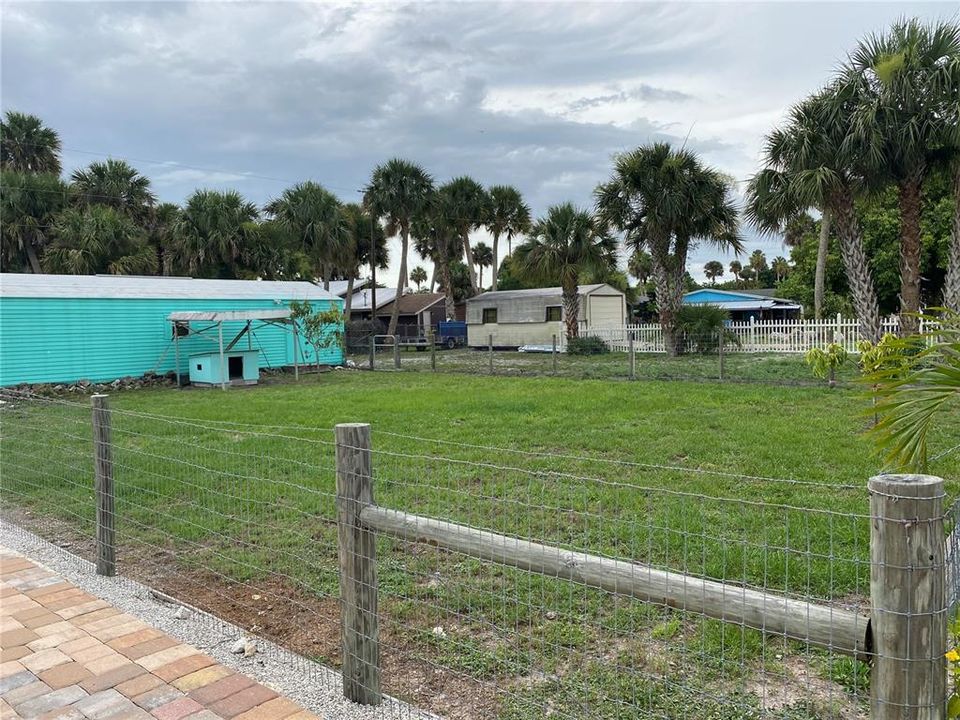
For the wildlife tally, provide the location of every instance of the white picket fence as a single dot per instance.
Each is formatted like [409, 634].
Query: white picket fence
[760, 336]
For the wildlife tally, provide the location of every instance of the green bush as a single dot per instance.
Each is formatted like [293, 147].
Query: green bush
[699, 328]
[588, 345]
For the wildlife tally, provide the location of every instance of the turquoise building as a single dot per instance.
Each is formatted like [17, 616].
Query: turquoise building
[758, 304]
[64, 328]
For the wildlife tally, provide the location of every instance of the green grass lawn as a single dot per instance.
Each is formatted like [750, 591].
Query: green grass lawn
[776, 369]
[749, 483]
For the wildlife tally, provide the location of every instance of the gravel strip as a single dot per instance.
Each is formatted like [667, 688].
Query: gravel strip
[316, 687]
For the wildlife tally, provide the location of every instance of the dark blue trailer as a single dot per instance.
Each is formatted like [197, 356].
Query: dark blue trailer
[451, 333]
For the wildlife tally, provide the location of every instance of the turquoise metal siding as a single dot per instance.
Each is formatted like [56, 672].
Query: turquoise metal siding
[63, 340]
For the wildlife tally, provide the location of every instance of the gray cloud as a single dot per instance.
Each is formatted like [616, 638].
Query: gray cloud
[261, 95]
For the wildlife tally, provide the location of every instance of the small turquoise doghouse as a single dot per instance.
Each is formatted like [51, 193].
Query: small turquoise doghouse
[227, 365]
[240, 367]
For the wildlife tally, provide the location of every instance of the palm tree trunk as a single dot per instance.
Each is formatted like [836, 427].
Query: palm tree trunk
[32, 258]
[450, 304]
[468, 258]
[669, 300]
[433, 277]
[571, 311]
[951, 285]
[496, 245]
[821, 273]
[480, 268]
[348, 301]
[859, 275]
[909, 195]
[401, 282]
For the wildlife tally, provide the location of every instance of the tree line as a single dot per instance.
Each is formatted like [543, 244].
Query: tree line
[886, 125]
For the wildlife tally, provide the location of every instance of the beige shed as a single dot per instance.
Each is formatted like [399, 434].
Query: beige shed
[533, 317]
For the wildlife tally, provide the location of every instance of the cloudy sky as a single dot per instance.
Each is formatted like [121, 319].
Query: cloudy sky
[257, 96]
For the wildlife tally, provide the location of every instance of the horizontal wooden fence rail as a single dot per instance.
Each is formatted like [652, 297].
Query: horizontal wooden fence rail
[904, 637]
[839, 630]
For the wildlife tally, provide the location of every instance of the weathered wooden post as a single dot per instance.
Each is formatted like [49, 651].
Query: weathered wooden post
[373, 350]
[490, 352]
[432, 341]
[907, 597]
[357, 550]
[396, 352]
[554, 353]
[632, 351]
[720, 351]
[103, 486]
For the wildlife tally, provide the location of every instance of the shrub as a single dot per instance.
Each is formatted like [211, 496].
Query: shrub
[588, 345]
[825, 361]
[700, 327]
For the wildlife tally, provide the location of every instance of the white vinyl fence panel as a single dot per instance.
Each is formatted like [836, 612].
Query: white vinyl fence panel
[761, 336]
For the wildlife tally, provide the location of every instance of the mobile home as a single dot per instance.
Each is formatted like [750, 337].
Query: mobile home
[532, 317]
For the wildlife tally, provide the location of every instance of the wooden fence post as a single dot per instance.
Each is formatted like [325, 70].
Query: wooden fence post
[907, 597]
[631, 348]
[373, 350]
[720, 352]
[490, 352]
[396, 352]
[103, 487]
[554, 353]
[432, 341]
[357, 550]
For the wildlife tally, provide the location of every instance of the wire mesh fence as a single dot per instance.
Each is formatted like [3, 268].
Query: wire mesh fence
[487, 602]
[701, 357]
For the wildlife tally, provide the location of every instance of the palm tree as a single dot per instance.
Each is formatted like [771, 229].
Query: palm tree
[481, 256]
[807, 165]
[666, 200]
[159, 225]
[758, 261]
[903, 86]
[314, 216]
[736, 267]
[640, 265]
[28, 204]
[508, 215]
[917, 393]
[713, 269]
[115, 184]
[213, 232]
[469, 208]
[398, 191]
[98, 239]
[419, 276]
[437, 239]
[27, 145]
[748, 274]
[780, 267]
[562, 246]
[367, 245]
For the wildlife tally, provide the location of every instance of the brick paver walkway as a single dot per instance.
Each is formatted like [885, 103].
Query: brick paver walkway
[67, 655]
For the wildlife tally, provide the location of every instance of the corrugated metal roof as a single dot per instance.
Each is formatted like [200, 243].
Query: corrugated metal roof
[227, 315]
[144, 288]
[362, 299]
[538, 292]
[748, 304]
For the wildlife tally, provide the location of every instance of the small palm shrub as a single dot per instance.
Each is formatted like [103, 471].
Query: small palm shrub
[588, 345]
[700, 328]
[825, 361]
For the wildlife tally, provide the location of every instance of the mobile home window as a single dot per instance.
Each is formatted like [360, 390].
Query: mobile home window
[489, 316]
[553, 313]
